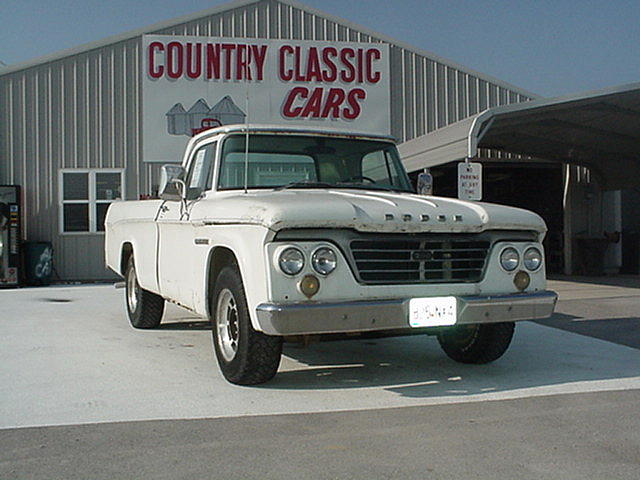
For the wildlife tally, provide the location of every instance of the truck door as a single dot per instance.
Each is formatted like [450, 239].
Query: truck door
[177, 277]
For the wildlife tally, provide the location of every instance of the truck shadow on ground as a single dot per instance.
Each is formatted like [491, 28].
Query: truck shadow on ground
[185, 325]
[414, 366]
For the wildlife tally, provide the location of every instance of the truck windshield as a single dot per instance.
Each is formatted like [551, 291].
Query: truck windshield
[298, 161]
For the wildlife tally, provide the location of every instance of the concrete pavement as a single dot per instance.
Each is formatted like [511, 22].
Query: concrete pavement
[69, 356]
[607, 308]
[153, 403]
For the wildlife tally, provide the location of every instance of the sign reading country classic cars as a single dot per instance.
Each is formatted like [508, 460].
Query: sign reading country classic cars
[193, 83]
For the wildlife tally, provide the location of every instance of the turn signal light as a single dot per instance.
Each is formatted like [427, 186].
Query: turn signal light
[521, 280]
[309, 285]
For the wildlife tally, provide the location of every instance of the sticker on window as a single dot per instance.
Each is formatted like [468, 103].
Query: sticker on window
[198, 165]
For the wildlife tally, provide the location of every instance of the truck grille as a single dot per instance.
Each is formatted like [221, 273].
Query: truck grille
[384, 261]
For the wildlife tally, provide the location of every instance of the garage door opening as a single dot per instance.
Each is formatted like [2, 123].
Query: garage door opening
[532, 186]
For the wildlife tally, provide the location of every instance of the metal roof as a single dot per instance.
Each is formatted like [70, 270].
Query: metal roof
[155, 28]
[288, 129]
[598, 129]
[280, 130]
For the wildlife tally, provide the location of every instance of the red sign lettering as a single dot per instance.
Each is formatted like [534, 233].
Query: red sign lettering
[153, 71]
[321, 103]
[320, 67]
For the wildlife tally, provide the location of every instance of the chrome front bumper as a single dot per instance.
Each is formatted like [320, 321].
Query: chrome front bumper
[363, 316]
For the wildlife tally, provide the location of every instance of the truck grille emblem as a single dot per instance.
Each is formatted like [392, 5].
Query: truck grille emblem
[422, 255]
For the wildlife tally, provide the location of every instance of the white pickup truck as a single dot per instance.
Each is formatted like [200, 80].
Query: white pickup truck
[277, 231]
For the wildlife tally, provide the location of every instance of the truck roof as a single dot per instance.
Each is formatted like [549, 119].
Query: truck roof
[280, 129]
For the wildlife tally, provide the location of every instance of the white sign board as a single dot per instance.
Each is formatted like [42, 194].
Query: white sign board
[193, 83]
[470, 181]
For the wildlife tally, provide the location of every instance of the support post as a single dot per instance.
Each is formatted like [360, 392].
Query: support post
[567, 200]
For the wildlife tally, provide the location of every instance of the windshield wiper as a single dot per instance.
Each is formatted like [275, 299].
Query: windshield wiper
[359, 186]
[305, 184]
[373, 186]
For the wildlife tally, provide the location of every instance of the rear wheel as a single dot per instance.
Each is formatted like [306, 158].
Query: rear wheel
[144, 308]
[476, 343]
[245, 356]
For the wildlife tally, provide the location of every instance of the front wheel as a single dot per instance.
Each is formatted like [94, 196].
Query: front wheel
[476, 343]
[144, 308]
[245, 356]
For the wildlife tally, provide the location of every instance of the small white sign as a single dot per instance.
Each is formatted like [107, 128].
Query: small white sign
[197, 168]
[470, 181]
[433, 311]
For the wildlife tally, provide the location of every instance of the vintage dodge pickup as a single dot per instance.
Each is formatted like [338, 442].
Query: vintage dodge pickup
[280, 231]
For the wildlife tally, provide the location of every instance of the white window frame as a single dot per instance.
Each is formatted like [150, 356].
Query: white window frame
[92, 201]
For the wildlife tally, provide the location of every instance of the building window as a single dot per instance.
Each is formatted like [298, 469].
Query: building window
[85, 196]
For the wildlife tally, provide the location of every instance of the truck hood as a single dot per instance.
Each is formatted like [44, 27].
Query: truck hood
[365, 211]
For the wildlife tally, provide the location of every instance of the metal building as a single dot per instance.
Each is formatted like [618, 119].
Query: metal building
[76, 115]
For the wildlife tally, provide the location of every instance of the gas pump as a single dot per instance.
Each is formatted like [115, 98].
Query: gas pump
[10, 241]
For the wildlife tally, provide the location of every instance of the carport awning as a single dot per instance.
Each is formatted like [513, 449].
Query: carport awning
[599, 130]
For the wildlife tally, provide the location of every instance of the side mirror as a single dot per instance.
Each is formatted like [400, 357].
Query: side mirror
[170, 179]
[425, 184]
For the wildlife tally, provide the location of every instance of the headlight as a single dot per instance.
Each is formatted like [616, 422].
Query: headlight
[509, 259]
[1, 245]
[291, 261]
[324, 261]
[532, 259]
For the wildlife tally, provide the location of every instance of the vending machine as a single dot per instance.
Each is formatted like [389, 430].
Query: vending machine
[10, 236]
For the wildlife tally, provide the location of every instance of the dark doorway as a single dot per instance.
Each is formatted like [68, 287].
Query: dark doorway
[532, 186]
[631, 231]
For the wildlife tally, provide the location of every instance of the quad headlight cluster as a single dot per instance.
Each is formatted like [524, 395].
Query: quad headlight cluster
[323, 260]
[531, 260]
[510, 259]
[292, 260]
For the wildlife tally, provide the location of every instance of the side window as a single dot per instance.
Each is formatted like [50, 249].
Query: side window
[377, 166]
[75, 202]
[200, 171]
[85, 196]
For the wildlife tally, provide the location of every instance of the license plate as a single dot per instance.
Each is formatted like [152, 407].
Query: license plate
[433, 311]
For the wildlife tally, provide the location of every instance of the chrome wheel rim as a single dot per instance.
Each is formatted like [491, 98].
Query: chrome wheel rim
[133, 290]
[227, 327]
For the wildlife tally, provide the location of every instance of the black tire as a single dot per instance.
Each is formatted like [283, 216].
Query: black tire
[245, 356]
[476, 343]
[147, 308]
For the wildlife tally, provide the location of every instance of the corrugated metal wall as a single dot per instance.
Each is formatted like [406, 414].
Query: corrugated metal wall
[77, 112]
[84, 111]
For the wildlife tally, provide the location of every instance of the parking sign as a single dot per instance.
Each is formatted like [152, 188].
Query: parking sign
[469, 181]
